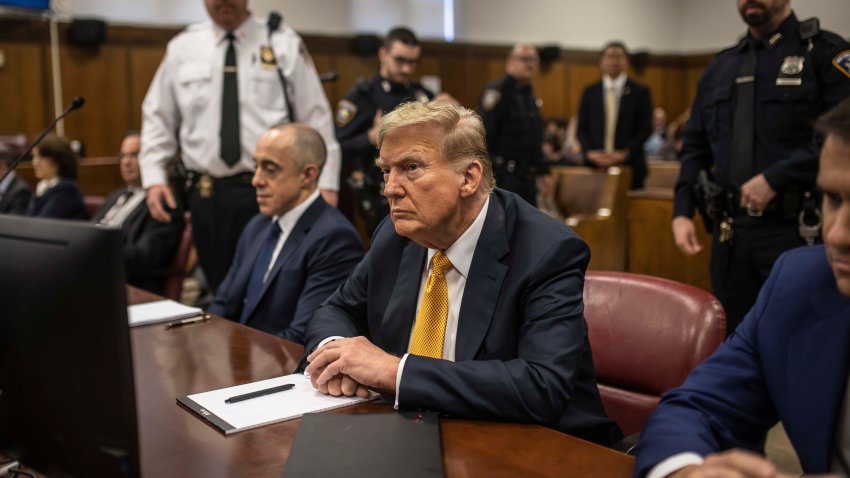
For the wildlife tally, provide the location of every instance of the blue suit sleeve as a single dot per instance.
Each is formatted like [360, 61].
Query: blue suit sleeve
[724, 403]
[332, 261]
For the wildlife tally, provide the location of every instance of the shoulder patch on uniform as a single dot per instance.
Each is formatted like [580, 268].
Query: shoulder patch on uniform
[345, 112]
[490, 98]
[842, 62]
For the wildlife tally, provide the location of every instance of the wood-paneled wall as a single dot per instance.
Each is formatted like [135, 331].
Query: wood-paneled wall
[114, 77]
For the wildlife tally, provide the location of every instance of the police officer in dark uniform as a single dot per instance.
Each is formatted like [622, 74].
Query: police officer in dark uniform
[751, 129]
[511, 115]
[359, 114]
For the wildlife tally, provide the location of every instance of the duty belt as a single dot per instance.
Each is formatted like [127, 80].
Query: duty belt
[206, 184]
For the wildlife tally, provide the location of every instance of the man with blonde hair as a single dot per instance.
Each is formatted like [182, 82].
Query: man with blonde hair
[467, 288]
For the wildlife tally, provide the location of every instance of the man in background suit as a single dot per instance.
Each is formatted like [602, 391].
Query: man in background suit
[615, 116]
[788, 360]
[15, 193]
[469, 301]
[293, 254]
[149, 245]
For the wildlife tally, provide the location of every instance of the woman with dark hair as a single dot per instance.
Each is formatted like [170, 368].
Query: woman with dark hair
[56, 194]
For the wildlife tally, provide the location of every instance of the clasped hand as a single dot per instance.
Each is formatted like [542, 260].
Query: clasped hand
[352, 366]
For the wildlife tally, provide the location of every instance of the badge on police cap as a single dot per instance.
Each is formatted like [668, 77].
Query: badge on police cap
[490, 98]
[791, 71]
[345, 112]
[842, 62]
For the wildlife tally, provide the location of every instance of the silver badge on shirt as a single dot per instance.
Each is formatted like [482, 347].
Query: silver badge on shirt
[791, 71]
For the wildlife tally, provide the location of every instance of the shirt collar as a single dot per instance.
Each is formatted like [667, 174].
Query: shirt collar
[4, 185]
[44, 185]
[240, 33]
[460, 253]
[786, 29]
[290, 218]
[617, 83]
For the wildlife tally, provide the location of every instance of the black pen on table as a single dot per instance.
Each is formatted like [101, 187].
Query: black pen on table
[187, 321]
[259, 393]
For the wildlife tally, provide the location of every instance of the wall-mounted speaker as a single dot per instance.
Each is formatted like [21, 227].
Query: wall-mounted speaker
[87, 32]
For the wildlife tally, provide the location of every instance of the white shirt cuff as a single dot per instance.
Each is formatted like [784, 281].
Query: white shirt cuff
[674, 463]
[398, 379]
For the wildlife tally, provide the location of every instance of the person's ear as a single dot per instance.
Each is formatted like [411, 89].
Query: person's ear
[472, 176]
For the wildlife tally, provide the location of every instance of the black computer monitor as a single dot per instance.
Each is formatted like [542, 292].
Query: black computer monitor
[67, 404]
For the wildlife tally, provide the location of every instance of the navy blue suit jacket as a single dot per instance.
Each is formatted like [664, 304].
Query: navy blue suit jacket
[62, 201]
[634, 124]
[149, 245]
[522, 352]
[787, 361]
[318, 255]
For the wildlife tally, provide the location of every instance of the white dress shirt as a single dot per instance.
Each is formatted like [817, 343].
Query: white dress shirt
[118, 213]
[287, 223]
[460, 255]
[44, 185]
[618, 83]
[185, 96]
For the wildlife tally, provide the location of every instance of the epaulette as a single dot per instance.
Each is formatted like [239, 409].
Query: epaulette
[363, 85]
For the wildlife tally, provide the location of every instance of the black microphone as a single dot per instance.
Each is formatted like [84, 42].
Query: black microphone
[76, 103]
[328, 76]
[274, 21]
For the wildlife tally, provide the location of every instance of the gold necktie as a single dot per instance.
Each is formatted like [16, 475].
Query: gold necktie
[430, 327]
[611, 107]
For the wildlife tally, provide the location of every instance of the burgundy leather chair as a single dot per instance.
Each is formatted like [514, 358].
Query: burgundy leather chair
[93, 204]
[174, 282]
[646, 334]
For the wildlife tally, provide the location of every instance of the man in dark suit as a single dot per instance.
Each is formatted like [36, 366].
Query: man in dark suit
[788, 360]
[470, 300]
[15, 193]
[615, 116]
[149, 245]
[293, 254]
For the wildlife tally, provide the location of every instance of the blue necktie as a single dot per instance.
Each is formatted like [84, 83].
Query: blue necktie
[261, 265]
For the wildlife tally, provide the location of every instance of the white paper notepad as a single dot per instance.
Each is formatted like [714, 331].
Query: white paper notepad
[159, 311]
[265, 410]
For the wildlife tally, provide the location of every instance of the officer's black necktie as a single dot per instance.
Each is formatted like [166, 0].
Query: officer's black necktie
[744, 128]
[229, 134]
[261, 266]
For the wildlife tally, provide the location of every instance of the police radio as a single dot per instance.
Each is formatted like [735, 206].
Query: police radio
[273, 23]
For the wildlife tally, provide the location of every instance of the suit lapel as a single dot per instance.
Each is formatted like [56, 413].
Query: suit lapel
[401, 310]
[623, 111]
[818, 381]
[486, 274]
[293, 241]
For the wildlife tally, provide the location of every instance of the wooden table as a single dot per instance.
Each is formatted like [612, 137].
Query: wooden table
[220, 353]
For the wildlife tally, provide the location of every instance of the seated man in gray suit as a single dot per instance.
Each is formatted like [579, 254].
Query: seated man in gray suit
[298, 249]
[15, 193]
[149, 246]
[470, 300]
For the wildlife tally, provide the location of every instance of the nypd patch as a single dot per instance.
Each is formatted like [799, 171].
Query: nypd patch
[842, 62]
[490, 98]
[345, 112]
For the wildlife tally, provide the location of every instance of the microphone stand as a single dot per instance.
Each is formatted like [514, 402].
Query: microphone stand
[75, 104]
